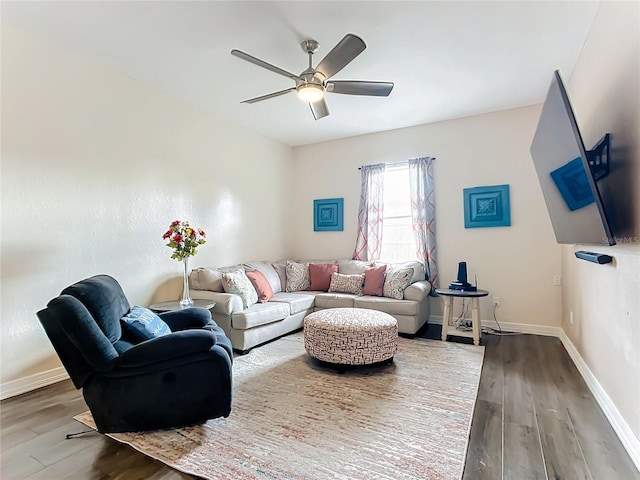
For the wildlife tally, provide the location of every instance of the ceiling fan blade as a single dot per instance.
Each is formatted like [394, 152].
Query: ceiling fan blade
[346, 50]
[270, 95]
[319, 109]
[262, 63]
[355, 87]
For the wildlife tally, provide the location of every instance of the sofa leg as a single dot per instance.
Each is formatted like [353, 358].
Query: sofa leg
[242, 352]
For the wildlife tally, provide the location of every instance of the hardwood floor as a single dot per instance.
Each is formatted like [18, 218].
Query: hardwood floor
[534, 419]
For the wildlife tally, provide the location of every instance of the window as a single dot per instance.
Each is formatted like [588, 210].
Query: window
[397, 230]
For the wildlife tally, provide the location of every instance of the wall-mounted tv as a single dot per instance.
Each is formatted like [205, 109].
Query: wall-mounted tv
[569, 173]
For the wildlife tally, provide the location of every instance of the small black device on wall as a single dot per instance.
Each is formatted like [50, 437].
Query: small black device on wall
[461, 283]
[594, 257]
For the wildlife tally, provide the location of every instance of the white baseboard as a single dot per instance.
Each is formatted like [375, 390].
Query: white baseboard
[622, 429]
[32, 382]
[511, 327]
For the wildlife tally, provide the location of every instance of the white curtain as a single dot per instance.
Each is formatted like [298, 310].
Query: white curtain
[423, 214]
[369, 242]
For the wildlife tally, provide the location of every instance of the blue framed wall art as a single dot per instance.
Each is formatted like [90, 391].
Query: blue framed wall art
[487, 207]
[328, 215]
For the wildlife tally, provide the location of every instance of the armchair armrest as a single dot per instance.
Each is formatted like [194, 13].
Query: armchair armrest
[187, 318]
[167, 347]
[226, 303]
[417, 291]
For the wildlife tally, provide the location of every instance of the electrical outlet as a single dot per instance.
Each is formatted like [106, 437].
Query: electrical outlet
[557, 281]
[496, 301]
[571, 317]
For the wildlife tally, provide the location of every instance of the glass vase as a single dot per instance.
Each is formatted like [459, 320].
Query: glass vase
[186, 298]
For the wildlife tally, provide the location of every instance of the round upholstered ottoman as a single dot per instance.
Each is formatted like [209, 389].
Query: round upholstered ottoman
[351, 336]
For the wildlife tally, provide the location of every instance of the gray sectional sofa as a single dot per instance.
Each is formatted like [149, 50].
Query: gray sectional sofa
[285, 311]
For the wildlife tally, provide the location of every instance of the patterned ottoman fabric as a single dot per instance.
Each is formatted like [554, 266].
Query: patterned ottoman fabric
[350, 336]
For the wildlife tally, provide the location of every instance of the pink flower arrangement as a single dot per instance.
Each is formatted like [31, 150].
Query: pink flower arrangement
[184, 240]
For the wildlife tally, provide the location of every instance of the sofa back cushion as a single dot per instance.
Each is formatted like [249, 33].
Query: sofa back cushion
[418, 269]
[269, 272]
[352, 267]
[261, 284]
[320, 275]
[205, 278]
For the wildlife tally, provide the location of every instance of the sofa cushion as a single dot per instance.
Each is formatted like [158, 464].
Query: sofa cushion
[374, 280]
[266, 268]
[259, 314]
[320, 275]
[142, 324]
[238, 283]
[352, 267]
[334, 300]
[396, 280]
[347, 283]
[261, 284]
[388, 305]
[297, 276]
[418, 269]
[298, 302]
[205, 278]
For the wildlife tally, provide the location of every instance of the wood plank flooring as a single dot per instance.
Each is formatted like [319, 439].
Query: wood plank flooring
[534, 419]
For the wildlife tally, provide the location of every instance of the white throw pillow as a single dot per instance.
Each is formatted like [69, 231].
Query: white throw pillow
[297, 276]
[238, 283]
[396, 280]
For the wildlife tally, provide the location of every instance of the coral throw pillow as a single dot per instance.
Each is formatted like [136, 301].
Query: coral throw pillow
[320, 275]
[261, 284]
[374, 280]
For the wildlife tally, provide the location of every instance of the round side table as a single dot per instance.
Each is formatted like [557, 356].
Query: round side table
[447, 327]
[175, 305]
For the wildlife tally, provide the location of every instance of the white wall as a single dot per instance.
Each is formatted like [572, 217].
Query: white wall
[94, 168]
[516, 263]
[605, 300]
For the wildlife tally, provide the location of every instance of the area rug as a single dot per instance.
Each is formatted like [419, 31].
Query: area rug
[294, 419]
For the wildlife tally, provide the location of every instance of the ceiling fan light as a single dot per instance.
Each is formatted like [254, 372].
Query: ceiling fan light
[310, 93]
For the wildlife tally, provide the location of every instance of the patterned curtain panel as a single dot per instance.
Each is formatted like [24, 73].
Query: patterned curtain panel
[423, 214]
[369, 242]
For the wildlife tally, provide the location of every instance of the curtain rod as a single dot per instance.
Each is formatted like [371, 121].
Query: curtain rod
[393, 164]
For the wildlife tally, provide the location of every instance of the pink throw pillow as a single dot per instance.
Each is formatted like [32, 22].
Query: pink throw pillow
[320, 274]
[261, 284]
[374, 280]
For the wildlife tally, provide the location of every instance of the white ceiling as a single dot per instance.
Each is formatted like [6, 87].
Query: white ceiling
[447, 59]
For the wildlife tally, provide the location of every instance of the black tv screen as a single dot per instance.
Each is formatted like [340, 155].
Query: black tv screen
[569, 187]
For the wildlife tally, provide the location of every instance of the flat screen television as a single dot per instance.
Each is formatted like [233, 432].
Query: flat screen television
[568, 173]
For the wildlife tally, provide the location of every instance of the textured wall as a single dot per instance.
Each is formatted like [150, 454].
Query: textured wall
[94, 168]
[605, 300]
[516, 263]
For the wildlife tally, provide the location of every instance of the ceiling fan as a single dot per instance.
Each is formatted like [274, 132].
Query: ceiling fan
[312, 83]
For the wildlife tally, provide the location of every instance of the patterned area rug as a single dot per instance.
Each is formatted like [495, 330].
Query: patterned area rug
[296, 420]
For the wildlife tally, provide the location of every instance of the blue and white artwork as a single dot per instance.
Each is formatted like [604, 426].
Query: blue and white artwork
[487, 207]
[328, 215]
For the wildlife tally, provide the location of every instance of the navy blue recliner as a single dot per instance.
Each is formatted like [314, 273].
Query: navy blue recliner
[178, 379]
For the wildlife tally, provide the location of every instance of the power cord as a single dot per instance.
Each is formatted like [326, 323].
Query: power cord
[499, 332]
[461, 322]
